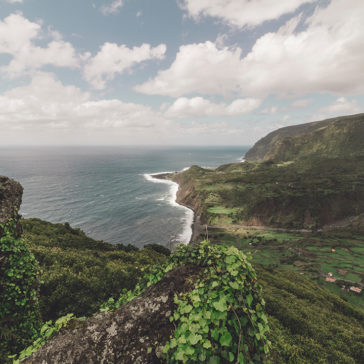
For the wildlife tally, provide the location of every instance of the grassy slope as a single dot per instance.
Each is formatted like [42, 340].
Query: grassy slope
[304, 194]
[337, 137]
[79, 273]
[308, 324]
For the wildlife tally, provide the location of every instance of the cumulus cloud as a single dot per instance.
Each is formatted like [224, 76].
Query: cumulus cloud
[115, 59]
[325, 55]
[199, 106]
[47, 103]
[241, 13]
[17, 37]
[201, 68]
[112, 8]
[342, 106]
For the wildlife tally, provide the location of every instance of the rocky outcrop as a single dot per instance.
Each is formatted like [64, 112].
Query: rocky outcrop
[135, 333]
[10, 200]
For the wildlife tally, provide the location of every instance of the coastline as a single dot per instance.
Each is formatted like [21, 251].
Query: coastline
[188, 234]
[195, 226]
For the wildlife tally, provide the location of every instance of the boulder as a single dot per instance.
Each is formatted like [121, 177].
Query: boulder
[133, 334]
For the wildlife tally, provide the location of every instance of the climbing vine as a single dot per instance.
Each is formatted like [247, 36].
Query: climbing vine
[46, 331]
[19, 312]
[222, 320]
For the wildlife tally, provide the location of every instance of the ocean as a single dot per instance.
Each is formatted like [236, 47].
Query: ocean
[109, 192]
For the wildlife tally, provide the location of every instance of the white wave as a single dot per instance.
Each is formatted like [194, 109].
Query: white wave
[171, 198]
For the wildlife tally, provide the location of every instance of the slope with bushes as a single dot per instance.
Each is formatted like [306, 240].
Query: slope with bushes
[79, 273]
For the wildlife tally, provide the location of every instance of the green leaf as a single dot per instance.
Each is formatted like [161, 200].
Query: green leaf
[266, 349]
[230, 259]
[214, 284]
[173, 343]
[202, 357]
[220, 305]
[231, 357]
[226, 338]
[180, 355]
[194, 339]
[234, 285]
[187, 309]
[215, 334]
[249, 299]
[241, 358]
[207, 344]
[181, 340]
[264, 317]
[214, 360]
[189, 350]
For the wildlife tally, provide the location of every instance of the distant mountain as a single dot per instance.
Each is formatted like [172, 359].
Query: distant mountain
[336, 137]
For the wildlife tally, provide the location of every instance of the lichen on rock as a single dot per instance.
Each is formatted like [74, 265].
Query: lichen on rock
[134, 333]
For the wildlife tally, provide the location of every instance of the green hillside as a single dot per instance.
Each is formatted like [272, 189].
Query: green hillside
[308, 193]
[80, 273]
[331, 138]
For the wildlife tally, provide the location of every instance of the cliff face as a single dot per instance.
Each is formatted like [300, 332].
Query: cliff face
[10, 200]
[337, 137]
[188, 195]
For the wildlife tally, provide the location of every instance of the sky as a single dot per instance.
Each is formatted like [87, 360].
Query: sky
[175, 72]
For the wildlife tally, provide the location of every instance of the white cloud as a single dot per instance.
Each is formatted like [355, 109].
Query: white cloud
[325, 57]
[198, 106]
[14, 1]
[47, 104]
[342, 106]
[241, 13]
[301, 103]
[201, 68]
[112, 8]
[17, 36]
[114, 59]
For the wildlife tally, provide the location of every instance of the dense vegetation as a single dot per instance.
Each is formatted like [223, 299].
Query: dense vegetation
[222, 320]
[307, 193]
[340, 137]
[79, 273]
[19, 312]
[309, 324]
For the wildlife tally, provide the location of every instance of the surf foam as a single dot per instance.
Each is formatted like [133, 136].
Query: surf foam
[187, 219]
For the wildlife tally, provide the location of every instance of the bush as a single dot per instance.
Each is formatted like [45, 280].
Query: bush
[19, 311]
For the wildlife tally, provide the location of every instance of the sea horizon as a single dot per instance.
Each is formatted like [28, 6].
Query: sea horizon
[104, 190]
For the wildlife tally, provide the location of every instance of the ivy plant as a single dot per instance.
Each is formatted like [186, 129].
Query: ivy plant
[222, 320]
[46, 331]
[19, 311]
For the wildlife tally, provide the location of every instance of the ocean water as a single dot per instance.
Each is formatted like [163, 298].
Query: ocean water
[109, 192]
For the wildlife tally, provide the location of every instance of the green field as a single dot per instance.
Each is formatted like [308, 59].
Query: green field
[310, 254]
